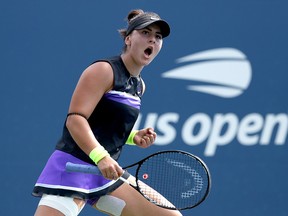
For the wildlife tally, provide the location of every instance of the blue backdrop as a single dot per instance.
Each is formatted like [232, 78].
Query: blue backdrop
[218, 89]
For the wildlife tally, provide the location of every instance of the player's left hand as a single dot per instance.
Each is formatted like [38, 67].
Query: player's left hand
[145, 137]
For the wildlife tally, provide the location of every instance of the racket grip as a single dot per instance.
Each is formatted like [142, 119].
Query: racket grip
[72, 167]
[90, 169]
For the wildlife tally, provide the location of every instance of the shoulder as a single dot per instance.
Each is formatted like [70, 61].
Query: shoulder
[98, 74]
[99, 70]
[107, 66]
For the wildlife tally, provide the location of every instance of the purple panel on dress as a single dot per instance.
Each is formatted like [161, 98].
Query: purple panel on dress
[55, 175]
[124, 98]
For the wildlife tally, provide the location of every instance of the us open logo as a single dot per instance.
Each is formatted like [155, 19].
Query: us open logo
[223, 72]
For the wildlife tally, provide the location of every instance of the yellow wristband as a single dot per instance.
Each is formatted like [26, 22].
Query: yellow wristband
[98, 154]
[130, 140]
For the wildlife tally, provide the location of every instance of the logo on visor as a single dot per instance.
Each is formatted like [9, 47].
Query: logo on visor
[223, 72]
[154, 18]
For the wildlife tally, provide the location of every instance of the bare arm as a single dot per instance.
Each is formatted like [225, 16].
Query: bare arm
[92, 85]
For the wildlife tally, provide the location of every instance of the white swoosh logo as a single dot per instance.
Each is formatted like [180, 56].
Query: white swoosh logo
[223, 72]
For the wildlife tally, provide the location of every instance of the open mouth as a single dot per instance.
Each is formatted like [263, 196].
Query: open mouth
[148, 51]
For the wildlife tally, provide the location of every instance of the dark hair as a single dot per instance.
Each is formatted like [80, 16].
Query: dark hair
[132, 15]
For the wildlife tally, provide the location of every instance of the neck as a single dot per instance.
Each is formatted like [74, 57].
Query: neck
[131, 65]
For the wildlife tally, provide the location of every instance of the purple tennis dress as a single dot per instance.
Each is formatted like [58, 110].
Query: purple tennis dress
[111, 122]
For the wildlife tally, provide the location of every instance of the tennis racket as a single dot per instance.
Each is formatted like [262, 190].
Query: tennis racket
[170, 179]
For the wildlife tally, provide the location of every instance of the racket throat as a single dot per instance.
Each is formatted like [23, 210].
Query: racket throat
[128, 179]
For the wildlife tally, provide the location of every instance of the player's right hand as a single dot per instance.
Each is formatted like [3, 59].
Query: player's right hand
[109, 168]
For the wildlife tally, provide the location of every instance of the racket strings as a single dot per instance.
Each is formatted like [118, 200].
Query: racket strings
[148, 183]
[175, 180]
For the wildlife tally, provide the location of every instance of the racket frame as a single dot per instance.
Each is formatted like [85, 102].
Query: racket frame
[94, 170]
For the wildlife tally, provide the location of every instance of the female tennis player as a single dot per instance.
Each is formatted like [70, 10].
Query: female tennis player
[102, 113]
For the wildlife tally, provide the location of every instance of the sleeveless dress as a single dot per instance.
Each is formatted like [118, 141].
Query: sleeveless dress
[111, 122]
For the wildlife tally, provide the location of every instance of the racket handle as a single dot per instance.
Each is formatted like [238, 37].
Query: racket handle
[72, 167]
